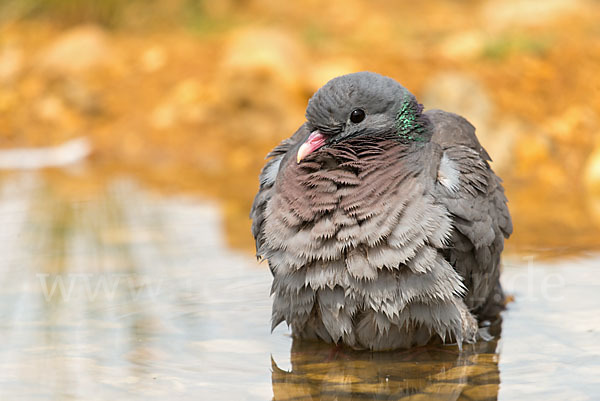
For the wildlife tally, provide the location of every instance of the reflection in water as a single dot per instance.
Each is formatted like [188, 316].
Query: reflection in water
[113, 292]
[319, 372]
[123, 294]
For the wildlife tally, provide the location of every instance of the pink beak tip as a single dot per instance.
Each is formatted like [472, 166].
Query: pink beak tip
[315, 140]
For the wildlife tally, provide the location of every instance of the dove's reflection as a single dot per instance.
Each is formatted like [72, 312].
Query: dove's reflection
[319, 371]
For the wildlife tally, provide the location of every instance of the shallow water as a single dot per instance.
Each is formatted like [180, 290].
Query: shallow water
[126, 294]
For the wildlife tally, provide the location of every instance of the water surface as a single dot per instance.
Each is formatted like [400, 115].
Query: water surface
[127, 294]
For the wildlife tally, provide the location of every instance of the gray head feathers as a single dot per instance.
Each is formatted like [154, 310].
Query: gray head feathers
[389, 107]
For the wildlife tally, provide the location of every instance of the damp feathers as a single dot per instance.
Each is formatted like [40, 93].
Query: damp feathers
[385, 230]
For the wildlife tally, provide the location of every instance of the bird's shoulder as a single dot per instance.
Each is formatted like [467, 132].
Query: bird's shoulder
[465, 181]
[451, 130]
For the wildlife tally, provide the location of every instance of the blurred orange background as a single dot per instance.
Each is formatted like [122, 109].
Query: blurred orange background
[188, 96]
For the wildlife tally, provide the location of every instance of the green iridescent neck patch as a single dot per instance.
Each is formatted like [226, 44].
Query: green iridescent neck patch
[409, 122]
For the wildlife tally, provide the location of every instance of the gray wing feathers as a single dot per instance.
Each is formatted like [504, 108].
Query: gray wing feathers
[474, 196]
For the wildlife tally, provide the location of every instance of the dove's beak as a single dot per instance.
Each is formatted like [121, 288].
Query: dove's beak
[315, 140]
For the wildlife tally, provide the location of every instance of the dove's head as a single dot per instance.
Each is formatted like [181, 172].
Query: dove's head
[362, 104]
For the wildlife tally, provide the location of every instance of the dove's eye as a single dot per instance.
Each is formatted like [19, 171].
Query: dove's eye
[357, 116]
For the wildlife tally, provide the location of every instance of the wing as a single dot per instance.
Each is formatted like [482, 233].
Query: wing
[474, 196]
[287, 148]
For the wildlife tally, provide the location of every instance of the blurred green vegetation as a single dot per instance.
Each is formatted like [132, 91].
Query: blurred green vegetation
[506, 45]
[113, 14]
[105, 12]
